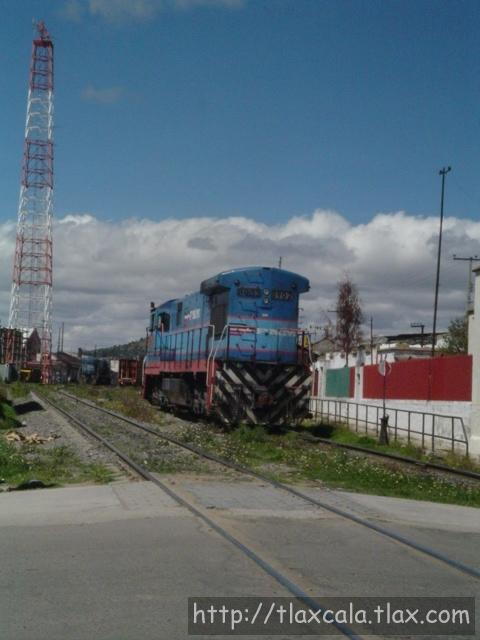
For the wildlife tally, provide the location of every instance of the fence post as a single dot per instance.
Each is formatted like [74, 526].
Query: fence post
[433, 433]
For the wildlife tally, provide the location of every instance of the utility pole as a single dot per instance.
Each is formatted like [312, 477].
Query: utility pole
[421, 326]
[61, 332]
[371, 339]
[280, 262]
[470, 260]
[443, 172]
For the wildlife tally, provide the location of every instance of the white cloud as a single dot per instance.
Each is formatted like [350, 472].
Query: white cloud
[72, 10]
[106, 273]
[121, 11]
[106, 95]
[190, 4]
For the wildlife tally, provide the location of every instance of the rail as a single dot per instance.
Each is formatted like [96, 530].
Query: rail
[433, 429]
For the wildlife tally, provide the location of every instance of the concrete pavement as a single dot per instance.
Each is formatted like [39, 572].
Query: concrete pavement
[118, 562]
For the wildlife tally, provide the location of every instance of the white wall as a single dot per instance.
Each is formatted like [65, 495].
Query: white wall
[474, 349]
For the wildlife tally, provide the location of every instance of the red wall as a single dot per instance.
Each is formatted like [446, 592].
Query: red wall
[443, 378]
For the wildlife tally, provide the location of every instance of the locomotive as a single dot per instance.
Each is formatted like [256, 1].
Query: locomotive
[232, 350]
[94, 370]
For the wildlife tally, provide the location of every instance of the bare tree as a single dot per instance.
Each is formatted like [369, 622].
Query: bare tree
[349, 316]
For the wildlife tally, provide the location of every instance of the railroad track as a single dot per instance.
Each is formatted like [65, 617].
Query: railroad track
[383, 531]
[434, 466]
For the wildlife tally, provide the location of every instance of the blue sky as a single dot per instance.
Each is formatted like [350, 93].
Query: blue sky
[194, 136]
[262, 108]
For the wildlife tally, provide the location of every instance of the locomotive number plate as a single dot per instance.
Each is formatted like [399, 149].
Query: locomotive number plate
[281, 294]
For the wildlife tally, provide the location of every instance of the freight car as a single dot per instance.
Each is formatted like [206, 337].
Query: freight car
[232, 350]
[129, 371]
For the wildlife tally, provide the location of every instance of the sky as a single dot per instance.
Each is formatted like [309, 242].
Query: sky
[192, 136]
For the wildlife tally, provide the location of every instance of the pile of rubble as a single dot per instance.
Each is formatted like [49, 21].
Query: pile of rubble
[31, 438]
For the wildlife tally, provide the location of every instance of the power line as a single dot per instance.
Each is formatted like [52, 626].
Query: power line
[421, 326]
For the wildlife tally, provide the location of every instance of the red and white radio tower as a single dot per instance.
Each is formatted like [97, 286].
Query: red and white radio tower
[31, 300]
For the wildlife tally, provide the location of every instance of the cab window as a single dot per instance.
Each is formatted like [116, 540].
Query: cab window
[164, 321]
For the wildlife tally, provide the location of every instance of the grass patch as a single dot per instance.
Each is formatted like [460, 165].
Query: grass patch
[343, 435]
[124, 400]
[14, 390]
[58, 465]
[8, 417]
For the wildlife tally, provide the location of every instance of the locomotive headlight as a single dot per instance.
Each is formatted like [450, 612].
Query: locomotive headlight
[266, 292]
[266, 300]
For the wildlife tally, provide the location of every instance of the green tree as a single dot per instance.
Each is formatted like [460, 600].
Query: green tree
[456, 340]
[134, 349]
[349, 316]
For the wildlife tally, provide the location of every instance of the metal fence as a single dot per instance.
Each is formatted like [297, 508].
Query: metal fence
[433, 430]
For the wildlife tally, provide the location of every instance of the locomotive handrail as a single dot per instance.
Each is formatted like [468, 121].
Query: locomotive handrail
[212, 326]
[212, 356]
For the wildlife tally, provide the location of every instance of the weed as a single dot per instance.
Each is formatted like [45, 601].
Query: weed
[17, 389]
[343, 435]
[8, 418]
[125, 400]
[249, 434]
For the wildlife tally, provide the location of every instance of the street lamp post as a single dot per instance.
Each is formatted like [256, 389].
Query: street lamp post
[443, 172]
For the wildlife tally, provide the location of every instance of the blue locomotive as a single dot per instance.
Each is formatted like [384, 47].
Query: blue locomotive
[233, 349]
